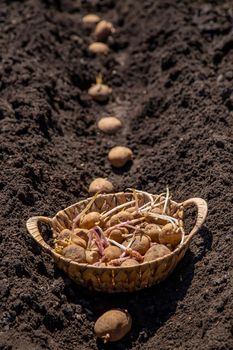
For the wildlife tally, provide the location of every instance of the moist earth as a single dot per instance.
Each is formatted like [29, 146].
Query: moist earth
[170, 68]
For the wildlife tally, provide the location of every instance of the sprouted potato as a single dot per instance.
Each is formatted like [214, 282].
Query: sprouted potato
[100, 92]
[120, 217]
[170, 235]
[153, 230]
[121, 235]
[82, 233]
[156, 251]
[99, 48]
[129, 262]
[117, 234]
[119, 156]
[111, 253]
[109, 125]
[113, 325]
[78, 240]
[103, 30]
[74, 252]
[91, 19]
[141, 244]
[92, 256]
[90, 220]
[100, 185]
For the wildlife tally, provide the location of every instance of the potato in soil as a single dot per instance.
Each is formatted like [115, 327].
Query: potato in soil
[109, 125]
[119, 156]
[156, 251]
[98, 48]
[103, 30]
[74, 252]
[100, 92]
[91, 19]
[100, 185]
[113, 325]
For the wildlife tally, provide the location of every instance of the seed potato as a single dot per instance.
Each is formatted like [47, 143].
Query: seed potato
[109, 125]
[129, 262]
[92, 256]
[100, 185]
[91, 19]
[98, 48]
[117, 233]
[103, 30]
[119, 156]
[79, 241]
[170, 235]
[153, 230]
[113, 325]
[156, 251]
[141, 244]
[100, 92]
[74, 252]
[112, 252]
[90, 220]
[122, 216]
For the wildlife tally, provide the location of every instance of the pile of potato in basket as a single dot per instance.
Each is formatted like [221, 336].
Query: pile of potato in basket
[127, 235]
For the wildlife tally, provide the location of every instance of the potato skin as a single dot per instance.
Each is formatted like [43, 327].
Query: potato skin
[103, 30]
[119, 156]
[92, 256]
[111, 253]
[89, 220]
[129, 262]
[91, 19]
[113, 325]
[109, 125]
[120, 217]
[98, 48]
[153, 230]
[141, 244]
[116, 234]
[74, 252]
[156, 251]
[100, 92]
[100, 185]
[169, 235]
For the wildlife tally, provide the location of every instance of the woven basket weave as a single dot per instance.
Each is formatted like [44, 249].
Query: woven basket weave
[110, 278]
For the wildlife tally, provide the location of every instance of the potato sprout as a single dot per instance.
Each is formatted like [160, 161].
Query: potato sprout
[137, 231]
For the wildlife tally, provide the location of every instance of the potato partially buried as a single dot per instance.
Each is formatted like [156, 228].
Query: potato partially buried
[113, 325]
[119, 156]
[100, 92]
[100, 185]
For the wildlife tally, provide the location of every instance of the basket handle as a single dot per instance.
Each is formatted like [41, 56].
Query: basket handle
[202, 210]
[33, 229]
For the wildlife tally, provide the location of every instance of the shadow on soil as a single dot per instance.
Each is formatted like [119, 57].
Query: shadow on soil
[149, 308]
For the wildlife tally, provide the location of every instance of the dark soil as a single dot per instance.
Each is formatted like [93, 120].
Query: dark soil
[171, 72]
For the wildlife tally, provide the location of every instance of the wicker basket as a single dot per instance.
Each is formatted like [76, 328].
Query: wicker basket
[113, 279]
